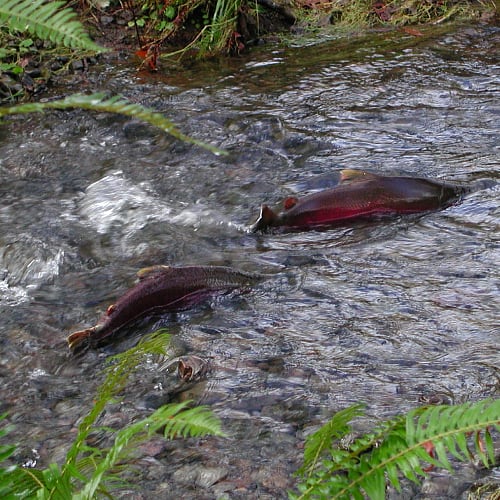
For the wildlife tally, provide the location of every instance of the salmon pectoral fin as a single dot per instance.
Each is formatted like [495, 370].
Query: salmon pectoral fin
[266, 219]
[290, 202]
[79, 341]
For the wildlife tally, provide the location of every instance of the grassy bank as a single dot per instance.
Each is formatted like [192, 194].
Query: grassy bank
[155, 30]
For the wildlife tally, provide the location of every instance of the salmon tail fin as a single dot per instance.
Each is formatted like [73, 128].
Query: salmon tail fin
[266, 219]
[80, 341]
[452, 193]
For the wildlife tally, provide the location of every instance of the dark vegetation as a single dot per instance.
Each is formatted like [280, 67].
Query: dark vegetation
[155, 31]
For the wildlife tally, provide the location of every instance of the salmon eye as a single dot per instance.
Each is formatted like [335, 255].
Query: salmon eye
[290, 202]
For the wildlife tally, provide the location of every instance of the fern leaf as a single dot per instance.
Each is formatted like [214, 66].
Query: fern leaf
[321, 440]
[431, 426]
[403, 449]
[453, 423]
[57, 483]
[48, 21]
[442, 452]
[23, 483]
[16, 482]
[185, 422]
[375, 486]
[192, 422]
[97, 465]
[117, 373]
[490, 450]
[461, 442]
[6, 451]
[100, 102]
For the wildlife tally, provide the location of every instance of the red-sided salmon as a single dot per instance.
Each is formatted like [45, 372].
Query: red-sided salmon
[163, 289]
[359, 195]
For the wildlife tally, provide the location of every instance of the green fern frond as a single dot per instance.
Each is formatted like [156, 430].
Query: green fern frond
[99, 466]
[48, 21]
[25, 482]
[12, 478]
[447, 427]
[402, 446]
[191, 422]
[117, 373]
[94, 468]
[322, 440]
[197, 421]
[117, 104]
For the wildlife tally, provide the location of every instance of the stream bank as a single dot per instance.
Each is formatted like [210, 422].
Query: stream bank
[159, 35]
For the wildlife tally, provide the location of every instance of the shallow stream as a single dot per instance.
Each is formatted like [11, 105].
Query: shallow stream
[392, 314]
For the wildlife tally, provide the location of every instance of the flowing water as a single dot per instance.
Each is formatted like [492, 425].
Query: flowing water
[392, 314]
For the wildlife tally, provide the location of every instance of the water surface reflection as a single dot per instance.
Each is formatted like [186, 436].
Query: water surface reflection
[391, 314]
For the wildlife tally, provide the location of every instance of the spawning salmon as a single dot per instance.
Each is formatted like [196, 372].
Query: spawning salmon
[161, 289]
[359, 195]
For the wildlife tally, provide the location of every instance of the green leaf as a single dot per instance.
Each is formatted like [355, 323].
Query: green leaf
[13, 67]
[117, 104]
[192, 422]
[490, 451]
[28, 42]
[48, 21]
[180, 421]
[6, 451]
[117, 373]
[441, 452]
[98, 469]
[374, 486]
[169, 12]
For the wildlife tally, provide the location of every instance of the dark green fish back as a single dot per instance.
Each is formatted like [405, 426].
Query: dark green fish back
[215, 277]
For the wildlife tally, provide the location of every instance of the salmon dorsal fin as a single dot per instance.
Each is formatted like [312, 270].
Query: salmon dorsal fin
[266, 218]
[353, 175]
[148, 272]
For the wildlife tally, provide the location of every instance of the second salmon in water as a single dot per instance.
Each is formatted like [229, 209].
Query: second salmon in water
[161, 289]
